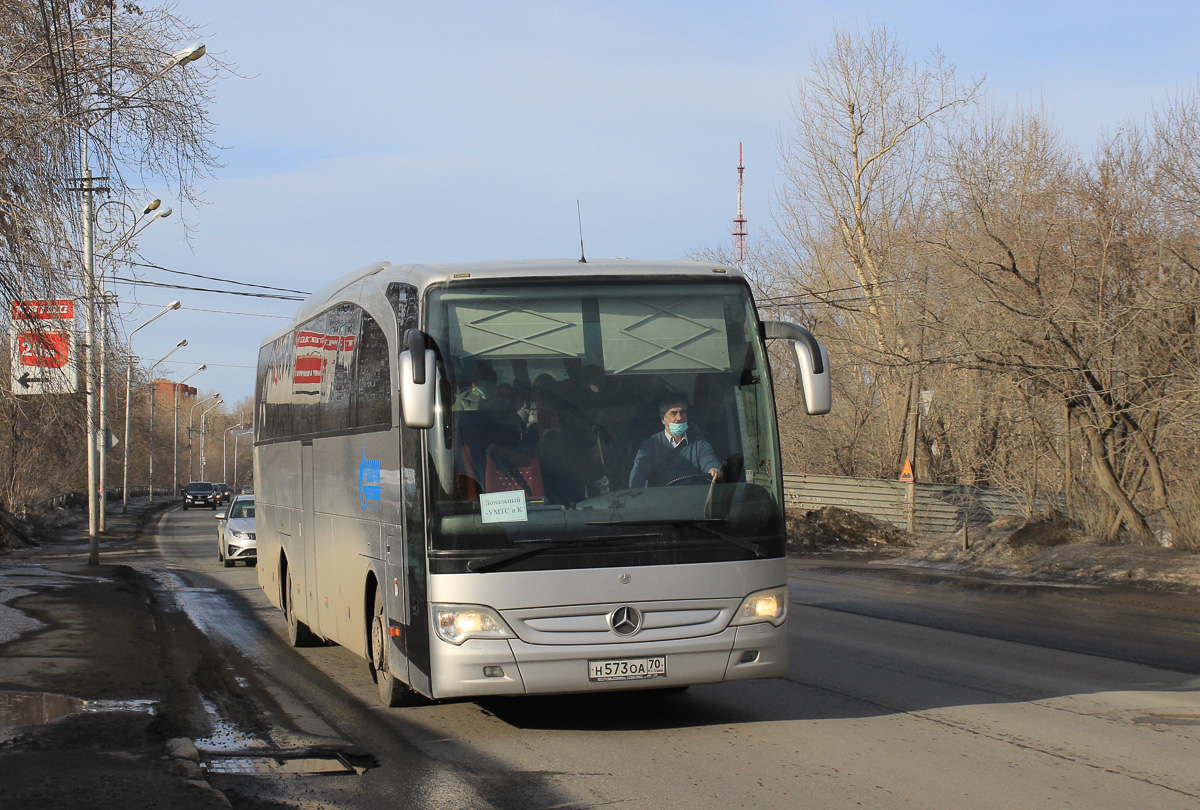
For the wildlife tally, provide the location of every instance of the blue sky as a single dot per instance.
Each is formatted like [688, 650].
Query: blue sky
[434, 132]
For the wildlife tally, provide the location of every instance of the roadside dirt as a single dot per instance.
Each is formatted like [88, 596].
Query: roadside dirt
[100, 678]
[101, 644]
[1044, 549]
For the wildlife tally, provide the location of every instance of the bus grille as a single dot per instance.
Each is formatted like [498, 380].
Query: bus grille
[592, 624]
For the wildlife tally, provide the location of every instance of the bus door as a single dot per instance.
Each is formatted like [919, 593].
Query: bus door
[396, 591]
[308, 540]
[407, 561]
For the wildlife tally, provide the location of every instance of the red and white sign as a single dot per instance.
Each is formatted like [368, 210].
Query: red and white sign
[62, 310]
[43, 347]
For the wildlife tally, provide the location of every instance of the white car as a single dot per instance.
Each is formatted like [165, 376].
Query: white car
[235, 532]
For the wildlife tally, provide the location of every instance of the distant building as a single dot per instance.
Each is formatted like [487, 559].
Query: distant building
[164, 392]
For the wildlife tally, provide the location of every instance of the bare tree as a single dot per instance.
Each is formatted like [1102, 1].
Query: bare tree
[90, 84]
[1086, 309]
[861, 168]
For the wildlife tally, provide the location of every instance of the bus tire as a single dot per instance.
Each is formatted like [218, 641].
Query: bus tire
[392, 691]
[297, 631]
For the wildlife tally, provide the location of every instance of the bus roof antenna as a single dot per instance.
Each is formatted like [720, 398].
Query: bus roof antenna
[579, 214]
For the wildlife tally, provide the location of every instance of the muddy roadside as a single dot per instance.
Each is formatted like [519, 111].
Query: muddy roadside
[1039, 549]
[98, 692]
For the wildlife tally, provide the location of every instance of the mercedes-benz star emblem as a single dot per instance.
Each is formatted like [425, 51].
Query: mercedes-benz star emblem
[626, 621]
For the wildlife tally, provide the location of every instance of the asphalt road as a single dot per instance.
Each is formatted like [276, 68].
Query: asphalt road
[904, 692]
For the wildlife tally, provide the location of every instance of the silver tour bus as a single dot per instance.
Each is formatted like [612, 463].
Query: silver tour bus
[475, 476]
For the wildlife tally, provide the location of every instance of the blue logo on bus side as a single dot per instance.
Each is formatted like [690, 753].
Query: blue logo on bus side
[370, 481]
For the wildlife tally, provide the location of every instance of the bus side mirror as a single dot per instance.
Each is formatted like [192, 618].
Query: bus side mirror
[418, 381]
[812, 362]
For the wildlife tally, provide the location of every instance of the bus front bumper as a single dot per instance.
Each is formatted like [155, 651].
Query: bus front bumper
[514, 667]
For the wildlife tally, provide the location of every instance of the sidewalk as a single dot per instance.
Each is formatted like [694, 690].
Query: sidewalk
[88, 697]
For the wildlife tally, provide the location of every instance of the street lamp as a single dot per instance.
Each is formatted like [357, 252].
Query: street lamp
[129, 399]
[237, 434]
[224, 436]
[178, 346]
[125, 238]
[175, 459]
[182, 57]
[189, 54]
[203, 445]
[192, 431]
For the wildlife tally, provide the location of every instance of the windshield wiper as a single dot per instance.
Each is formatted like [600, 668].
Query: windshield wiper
[759, 549]
[537, 546]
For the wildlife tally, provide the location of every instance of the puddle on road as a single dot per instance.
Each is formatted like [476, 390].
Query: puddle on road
[226, 737]
[35, 708]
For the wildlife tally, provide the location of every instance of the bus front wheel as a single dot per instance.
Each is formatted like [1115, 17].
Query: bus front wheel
[298, 633]
[392, 691]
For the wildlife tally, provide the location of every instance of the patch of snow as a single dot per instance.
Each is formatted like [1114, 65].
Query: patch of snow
[14, 623]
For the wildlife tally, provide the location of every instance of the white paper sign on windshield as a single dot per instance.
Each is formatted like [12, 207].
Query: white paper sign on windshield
[503, 507]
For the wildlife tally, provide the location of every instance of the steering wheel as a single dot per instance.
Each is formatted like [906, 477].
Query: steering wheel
[690, 478]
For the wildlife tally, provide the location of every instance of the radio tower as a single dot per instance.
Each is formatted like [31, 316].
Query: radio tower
[739, 224]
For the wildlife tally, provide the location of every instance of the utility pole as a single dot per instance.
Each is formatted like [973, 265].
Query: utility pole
[93, 419]
[203, 442]
[129, 399]
[910, 450]
[153, 396]
[224, 457]
[175, 457]
[89, 357]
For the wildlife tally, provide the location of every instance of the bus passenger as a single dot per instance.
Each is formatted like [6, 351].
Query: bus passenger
[481, 394]
[671, 454]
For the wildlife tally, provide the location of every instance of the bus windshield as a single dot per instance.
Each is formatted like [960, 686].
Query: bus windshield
[624, 422]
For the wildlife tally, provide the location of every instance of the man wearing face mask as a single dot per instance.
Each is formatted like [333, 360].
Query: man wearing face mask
[672, 454]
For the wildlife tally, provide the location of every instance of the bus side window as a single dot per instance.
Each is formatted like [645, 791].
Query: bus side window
[373, 378]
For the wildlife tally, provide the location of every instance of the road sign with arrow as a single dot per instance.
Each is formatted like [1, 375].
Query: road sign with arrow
[43, 347]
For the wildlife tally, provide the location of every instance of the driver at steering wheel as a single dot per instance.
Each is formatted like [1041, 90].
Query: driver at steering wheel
[672, 454]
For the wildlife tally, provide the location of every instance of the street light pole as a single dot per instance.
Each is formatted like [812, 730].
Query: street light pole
[178, 59]
[237, 434]
[203, 444]
[175, 457]
[224, 436]
[104, 304]
[89, 359]
[102, 431]
[192, 430]
[129, 398]
[178, 346]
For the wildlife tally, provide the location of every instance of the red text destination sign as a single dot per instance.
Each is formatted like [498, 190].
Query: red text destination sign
[62, 310]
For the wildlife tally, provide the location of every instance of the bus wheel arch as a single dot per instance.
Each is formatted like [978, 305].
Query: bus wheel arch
[298, 633]
[392, 691]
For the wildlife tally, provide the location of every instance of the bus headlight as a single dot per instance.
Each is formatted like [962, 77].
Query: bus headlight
[763, 606]
[457, 623]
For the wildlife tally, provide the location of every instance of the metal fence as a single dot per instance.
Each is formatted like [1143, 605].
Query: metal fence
[940, 508]
[77, 499]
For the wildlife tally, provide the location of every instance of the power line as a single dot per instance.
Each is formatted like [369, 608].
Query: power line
[140, 282]
[182, 362]
[217, 278]
[222, 311]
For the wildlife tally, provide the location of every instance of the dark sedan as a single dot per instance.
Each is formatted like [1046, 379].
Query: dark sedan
[200, 493]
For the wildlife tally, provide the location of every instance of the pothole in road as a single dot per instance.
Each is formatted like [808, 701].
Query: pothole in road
[36, 708]
[300, 765]
[1169, 719]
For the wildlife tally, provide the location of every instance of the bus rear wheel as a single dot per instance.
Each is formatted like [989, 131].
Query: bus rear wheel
[392, 691]
[298, 633]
